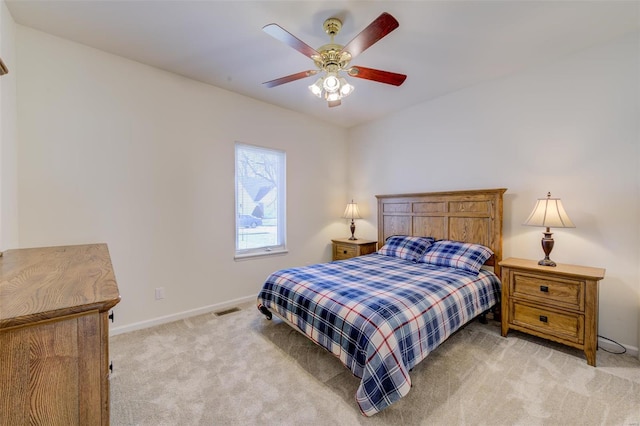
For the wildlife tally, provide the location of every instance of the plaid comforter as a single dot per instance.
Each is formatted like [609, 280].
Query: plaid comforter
[379, 315]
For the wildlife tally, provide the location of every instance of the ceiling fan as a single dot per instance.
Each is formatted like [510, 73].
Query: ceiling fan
[333, 59]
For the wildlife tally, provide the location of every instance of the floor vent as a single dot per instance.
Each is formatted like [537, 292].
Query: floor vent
[227, 311]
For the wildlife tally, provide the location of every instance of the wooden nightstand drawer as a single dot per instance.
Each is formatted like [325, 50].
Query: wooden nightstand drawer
[552, 291]
[565, 325]
[343, 251]
[344, 248]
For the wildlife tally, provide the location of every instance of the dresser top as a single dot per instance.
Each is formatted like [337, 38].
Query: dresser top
[560, 269]
[48, 282]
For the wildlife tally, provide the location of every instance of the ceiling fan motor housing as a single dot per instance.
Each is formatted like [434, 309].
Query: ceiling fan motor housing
[332, 58]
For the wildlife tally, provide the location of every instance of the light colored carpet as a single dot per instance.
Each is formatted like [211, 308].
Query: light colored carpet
[240, 369]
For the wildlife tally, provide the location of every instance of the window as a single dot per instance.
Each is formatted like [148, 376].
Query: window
[260, 200]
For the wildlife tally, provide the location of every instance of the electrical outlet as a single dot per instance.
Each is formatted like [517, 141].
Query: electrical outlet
[159, 293]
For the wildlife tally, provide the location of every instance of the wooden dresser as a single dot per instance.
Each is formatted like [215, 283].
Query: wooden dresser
[557, 303]
[54, 334]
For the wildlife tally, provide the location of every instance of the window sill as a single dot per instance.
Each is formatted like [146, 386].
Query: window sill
[248, 256]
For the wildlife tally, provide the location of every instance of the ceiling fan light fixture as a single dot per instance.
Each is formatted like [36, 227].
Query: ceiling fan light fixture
[345, 88]
[316, 88]
[332, 97]
[331, 83]
[331, 87]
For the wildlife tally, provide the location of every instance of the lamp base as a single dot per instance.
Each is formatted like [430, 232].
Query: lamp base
[547, 246]
[547, 262]
[353, 230]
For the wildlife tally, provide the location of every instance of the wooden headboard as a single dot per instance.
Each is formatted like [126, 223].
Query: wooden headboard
[470, 216]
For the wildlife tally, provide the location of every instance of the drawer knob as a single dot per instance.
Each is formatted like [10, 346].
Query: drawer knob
[344, 252]
[543, 318]
[544, 289]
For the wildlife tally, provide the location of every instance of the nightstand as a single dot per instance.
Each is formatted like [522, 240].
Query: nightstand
[344, 248]
[557, 303]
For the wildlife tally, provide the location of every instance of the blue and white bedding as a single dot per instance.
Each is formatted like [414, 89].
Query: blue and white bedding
[380, 315]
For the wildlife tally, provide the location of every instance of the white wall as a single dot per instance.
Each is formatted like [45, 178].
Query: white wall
[8, 139]
[114, 151]
[570, 127]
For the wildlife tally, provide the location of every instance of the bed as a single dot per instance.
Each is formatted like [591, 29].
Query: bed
[436, 269]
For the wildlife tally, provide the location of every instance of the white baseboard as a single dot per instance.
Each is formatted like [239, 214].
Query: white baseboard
[180, 315]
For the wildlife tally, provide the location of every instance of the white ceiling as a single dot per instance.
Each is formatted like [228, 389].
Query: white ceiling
[442, 46]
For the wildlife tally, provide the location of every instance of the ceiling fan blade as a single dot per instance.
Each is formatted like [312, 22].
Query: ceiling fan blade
[386, 77]
[334, 103]
[290, 78]
[376, 30]
[279, 33]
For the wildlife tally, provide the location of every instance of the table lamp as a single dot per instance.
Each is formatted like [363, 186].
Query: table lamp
[548, 212]
[352, 212]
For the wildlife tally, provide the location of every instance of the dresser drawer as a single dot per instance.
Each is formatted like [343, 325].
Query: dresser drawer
[561, 292]
[344, 251]
[565, 325]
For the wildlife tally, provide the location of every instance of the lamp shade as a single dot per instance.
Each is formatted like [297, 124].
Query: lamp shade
[550, 213]
[352, 212]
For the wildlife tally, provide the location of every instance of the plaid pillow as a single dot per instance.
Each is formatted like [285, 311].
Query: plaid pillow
[405, 247]
[455, 254]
